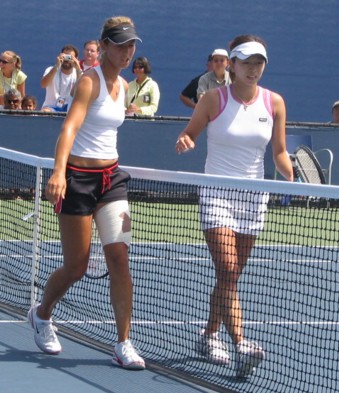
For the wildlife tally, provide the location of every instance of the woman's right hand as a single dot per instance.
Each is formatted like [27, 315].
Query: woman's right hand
[184, 144]
[56, 188]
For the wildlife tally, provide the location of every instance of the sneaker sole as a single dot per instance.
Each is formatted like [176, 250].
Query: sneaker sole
[132, 366]
[224, 362]
[250, 368]
[30, 320]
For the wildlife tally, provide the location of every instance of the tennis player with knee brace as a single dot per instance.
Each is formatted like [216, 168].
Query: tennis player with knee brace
[241, 119]
[88, 184]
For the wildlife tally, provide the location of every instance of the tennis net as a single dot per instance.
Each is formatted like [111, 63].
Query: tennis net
[289, 288]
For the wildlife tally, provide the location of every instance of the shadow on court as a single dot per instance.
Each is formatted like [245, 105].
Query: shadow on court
[78, 368]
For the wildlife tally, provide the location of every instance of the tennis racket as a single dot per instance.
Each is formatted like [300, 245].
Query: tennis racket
[306, 166]
[97, 267]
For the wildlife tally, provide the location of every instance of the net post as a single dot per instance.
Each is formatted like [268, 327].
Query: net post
[36, 226]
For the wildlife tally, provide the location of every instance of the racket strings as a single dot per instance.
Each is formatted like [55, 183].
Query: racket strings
[306, 166]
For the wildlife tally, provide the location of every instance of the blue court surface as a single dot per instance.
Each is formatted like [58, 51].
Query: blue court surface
[290, 300]
[78, 368]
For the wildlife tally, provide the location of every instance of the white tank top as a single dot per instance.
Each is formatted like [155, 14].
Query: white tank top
[237, 137]
[97, 137]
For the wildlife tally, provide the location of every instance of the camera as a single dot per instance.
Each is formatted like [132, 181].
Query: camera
[67, 57]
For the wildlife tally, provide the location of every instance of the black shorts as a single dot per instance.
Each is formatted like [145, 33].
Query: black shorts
[86, 187]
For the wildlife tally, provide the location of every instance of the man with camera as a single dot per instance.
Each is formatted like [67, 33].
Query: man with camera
[59, 80]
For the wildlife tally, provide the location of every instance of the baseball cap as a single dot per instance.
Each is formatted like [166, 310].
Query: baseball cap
[220, 52]
[244, 51]
[335, 105]
[121, 34]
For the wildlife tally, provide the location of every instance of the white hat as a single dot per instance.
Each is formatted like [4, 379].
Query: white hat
[244, 51]
[220, 52]
[335, 105]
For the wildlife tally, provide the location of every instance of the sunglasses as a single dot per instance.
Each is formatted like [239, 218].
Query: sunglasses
[4, 61]
[139, 67]
[13, 101]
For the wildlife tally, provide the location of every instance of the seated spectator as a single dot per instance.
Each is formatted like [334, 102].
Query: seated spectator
[91, 54]
[29, 103]
[12, 99]
[59, 80]
[219, 76]
[335, 112]
[11, 76]
[189, 95]
[143, 93]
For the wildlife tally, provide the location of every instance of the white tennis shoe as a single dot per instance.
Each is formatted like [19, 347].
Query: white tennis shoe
[44, 333]
[213, 349]
[126, 356]
[248, 356]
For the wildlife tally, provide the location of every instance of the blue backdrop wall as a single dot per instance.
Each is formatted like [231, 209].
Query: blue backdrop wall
[302, 38]
[144, 143]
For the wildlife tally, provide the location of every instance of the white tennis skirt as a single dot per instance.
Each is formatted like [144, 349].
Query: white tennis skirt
[240, 210]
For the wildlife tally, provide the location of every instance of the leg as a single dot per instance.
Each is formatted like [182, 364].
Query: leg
[76, 250]
[120, 287]
[229, 252]
[114, 226]
[76, 253]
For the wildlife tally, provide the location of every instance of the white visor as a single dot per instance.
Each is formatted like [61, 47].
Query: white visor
[244, 51]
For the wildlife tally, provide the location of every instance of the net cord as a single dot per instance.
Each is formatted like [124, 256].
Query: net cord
[199, 179]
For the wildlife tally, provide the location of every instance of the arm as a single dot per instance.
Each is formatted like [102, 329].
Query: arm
[20, 79]
[202, 86]
[187, 101]
[85, 93]
[189, 95]
[49, 76]
[280, 156]
[206, 109]
[22, 88]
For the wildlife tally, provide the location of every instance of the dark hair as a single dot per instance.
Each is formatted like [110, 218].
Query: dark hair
[70, 47]
[242, 39]
[142, 61]
[28, 97]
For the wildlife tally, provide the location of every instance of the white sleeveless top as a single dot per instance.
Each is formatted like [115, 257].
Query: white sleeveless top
[237, 137]
[97, 137]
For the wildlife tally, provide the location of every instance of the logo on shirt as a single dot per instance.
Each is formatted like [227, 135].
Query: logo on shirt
[263, 119]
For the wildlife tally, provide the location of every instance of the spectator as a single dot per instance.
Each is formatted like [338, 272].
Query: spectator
[29, 103]
[91, 54]
[59, 80]
[12, 99]
[189, 95]
[143, 93]
[219, 76]
[11, 76]
[335, 112]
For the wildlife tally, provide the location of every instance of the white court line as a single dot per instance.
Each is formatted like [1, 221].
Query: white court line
[176, 323]
[282, 246]
[13, 321]
[184, 259]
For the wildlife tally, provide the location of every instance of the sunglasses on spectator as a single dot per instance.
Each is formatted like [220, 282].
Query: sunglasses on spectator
[139, 67]
[4, 61]
[13, 101]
